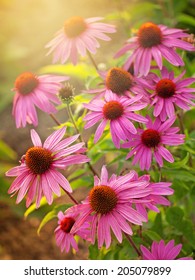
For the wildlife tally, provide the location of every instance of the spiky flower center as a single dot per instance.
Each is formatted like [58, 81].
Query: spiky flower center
[165, 88]
[150, 138]
[26, 83]
[74, 26]
[38, 159]
[118, 80]
[102, 199]
[149, 35]
[66, 224]
[113, 110]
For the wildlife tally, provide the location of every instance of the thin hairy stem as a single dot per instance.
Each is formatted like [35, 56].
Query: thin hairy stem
[133, 245]
[55, 120]
[92, 60]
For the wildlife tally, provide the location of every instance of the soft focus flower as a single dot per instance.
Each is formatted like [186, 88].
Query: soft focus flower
[78, 36]
[155, 42]
[160, 251]
[121, 82]
[168, 91]
[118, 111]
[109, 208]
[156, 196]
[38, 175]
[150, 142]
[65, 239]
[31, 91]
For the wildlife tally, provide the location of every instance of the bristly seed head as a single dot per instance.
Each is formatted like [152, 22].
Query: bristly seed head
[74, 26]
[103, 199]
[150, 138]
[113, 110]
[149, 35]
[119, 80]
[66, 224]
[26, 83]
[165, 88]
[38, 159]
[66, 93]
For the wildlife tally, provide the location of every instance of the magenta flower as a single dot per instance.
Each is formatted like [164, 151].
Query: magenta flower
[155, 198]
[154, 42]
[109, 208]
[31, 91]
[170, 91]
[38, 175]
[77, 37]
[150, 142]
[121, 82]
[160, 251]
[118, 111]
[65, 239]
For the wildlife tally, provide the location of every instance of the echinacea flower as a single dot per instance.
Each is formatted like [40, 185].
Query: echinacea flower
[38, 175]
[118, 111]
[65, 239]
[156, 197]
[162, 251]
[109, 208]
[121, 82]
[154, 42]
[150, 142]
[35, 91]
[78, 36]
[168, 91]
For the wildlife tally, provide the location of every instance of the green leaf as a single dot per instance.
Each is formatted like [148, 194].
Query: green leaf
[51, 215]
[32, 208]
[178, 164]
[174, 216]
[181, 175]
[187, 19]
[6, 153]
[154, 236]
[81, 70]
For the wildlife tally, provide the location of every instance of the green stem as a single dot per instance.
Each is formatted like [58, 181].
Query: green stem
[133, 245]
[72, 198]
[55, 120]
[92, 61]
[80, 137]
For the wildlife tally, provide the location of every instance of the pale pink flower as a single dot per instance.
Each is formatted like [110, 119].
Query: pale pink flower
[109, 208]
[150, 142]
[121, 82]
[35, 91]
[168, 91]
[78, 36]
[154, 42]
[64, 239]
[118, 111]
[162, 251]
[38, 175]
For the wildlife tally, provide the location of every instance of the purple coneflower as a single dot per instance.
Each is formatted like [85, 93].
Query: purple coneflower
[156, 196]
[155, 42]
[170, 91]
[118, 111]
[108, 205]
[160, 251]
[35, 91]
[150, 142]
[78, 36]
[38, 175]
[121, 82]
[65, 239]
